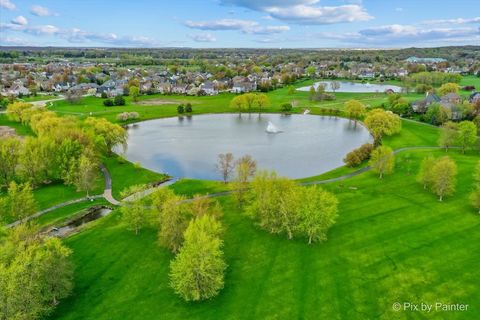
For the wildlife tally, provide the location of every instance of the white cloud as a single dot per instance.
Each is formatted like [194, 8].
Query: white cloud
[43, 30]
[204, 37]
[14, 41]
[306, 11]
[302, 14]
[20, 20]
[40, 11]
[453, 21]
[400, 35]
[7, 4]
[246, 26]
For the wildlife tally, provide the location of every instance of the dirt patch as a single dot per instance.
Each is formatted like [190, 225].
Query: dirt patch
[7, 132]
[160, 102]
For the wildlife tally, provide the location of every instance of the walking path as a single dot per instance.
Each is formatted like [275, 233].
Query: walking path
[107, 192]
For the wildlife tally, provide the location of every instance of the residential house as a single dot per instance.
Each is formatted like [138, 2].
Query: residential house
[421, 106]
[209, 88]
[244, 86]
[452, 101]
[474, 98]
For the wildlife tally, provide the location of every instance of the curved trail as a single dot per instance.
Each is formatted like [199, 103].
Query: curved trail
[107, 193]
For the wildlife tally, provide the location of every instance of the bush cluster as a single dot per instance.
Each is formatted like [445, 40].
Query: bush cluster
[357, 156]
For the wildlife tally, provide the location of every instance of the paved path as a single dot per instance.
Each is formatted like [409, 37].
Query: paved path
[107, 193]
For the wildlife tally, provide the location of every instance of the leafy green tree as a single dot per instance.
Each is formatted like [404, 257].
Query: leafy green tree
[448, 135]
[318, 211]
[448, 88]
[9, 156]
[425, 175]
[382, 160]
[197, 272]
[312, 93]
[172, 218]
[291, 90]
[34, 159]
[119, 101]
[108, 135]
[245, 168]
[335, 85]
[262, 101]
[134, 92]
[19, 202]
[355, 109]
[311, 71]
[467, 135]
[475, 198]
[134, 214]
[238, 103]
[380, 123]
[444, 174]
[86, 174]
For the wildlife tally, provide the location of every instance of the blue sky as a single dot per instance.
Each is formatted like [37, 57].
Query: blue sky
[240, 23]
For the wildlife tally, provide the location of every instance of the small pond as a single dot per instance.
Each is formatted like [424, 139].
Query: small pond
[346, 86]
[187, 147]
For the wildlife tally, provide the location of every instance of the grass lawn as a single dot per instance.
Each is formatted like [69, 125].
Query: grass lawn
[125, 174]
[19, 128]
[393, 242]
[39, 98]
[58, 216]
[471, 81]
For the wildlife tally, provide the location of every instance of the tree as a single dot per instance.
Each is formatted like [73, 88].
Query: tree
[467, 135]
[382, 160]
[238, 103]
[245, 168]
[335, 85]
[312, 93]
[380, 123]
[444, 177]
[19, 202]
[250, 101]
[448, 135]
[318, 211]
[108, 134]
[119, 101]
[437, 114]
[286, 107]
[108, 103]
[262, 101]
[35, 272]
[448, 88]
[311, 71]
[87, 171]
[134, 92]
[202, 205]
[134, 215]
[197, 272]
[425, 175]
[355, 109]
[9, 156]
[475, 198]
[172, 218]
[291, 90]
[225, 165]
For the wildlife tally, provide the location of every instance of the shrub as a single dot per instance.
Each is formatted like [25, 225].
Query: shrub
[357, 156]
[286, 107]
[124, 116]
[108, 103]
[180, 109]
[119, 101]
[188, 107]
[104, 95]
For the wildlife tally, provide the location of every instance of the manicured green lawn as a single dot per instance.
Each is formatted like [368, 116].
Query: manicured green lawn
[58, 216]
[19, 128]
[39, 98]
[125, 174]
[393, 242]
[471, 81]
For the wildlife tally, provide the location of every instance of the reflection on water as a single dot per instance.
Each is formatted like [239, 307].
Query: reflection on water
[189, 146]
[346, 86]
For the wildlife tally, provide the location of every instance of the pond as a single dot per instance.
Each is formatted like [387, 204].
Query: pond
[188, 147]
[357, 87]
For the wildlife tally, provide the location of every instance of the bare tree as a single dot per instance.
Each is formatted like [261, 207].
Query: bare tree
[225, 165]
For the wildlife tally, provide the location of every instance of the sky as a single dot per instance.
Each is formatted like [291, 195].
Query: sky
[240, 23]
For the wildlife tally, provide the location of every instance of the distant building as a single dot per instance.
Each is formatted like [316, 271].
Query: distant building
[241, 87]
[424, 60]
[421, 106]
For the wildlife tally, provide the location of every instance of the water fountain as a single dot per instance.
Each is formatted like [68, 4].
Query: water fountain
[271, 128]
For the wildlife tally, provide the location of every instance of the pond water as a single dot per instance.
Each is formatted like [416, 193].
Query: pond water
[358, 87]
[305, 145]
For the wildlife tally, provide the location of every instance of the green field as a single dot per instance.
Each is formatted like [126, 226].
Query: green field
[393, 242]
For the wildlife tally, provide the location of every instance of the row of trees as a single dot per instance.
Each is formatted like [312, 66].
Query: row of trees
[248, 102]
[438, 175]
[63, 148]
[192, 231]
[475, 195]
[35, 273]
[463, 135]
[281, 206]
